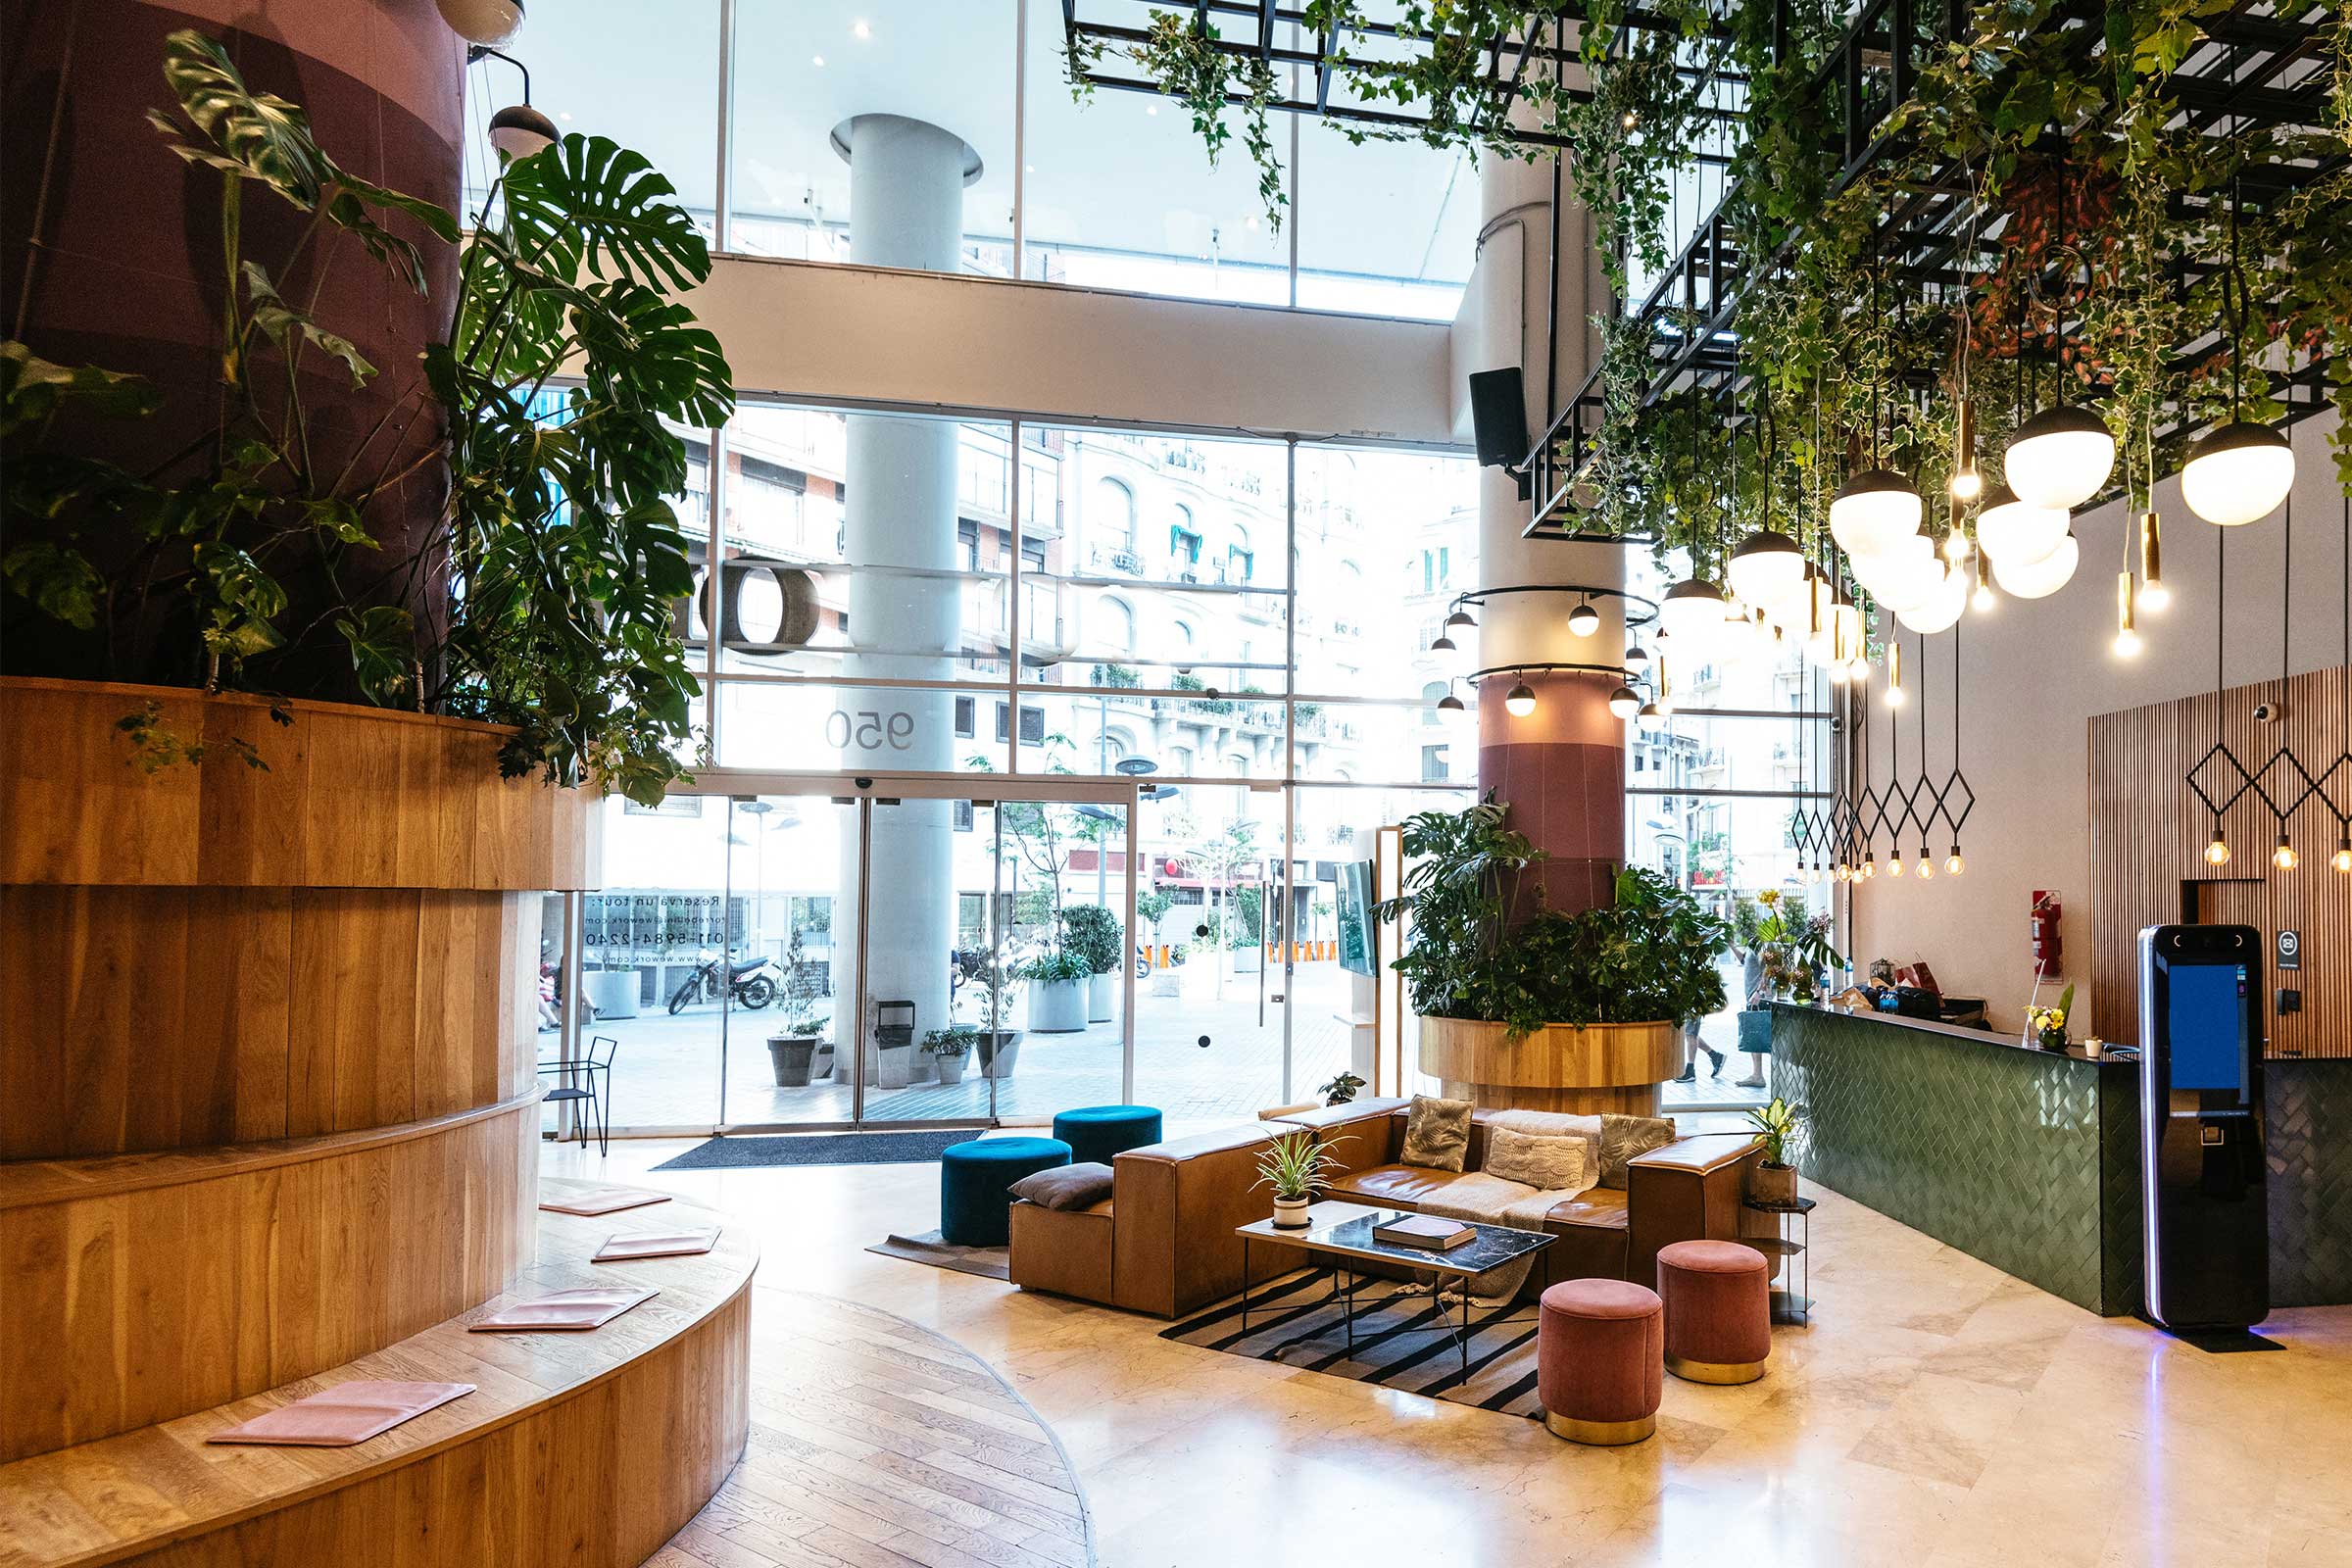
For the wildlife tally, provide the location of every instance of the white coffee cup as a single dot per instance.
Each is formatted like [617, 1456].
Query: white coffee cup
[2094, 1048]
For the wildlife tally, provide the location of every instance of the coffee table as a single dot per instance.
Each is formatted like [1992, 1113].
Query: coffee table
[1342, 1231]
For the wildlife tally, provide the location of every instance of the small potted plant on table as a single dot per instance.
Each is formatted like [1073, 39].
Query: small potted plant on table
[1773, 1179]
[949, 1047]
[1293, 1167]
[2048, 1024]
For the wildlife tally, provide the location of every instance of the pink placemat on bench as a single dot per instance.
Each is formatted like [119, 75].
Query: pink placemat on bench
[563, 1310]
[345, 1414]
[604, 1200]
[629, 1245]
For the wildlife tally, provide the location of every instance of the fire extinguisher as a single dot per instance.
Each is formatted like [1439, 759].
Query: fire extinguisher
[2047, 949]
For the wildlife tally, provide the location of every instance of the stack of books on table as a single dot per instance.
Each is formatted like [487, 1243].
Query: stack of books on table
[1427, 1231]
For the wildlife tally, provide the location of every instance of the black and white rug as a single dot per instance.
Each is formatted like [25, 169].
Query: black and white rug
[819, 1149]
[1401, 1340]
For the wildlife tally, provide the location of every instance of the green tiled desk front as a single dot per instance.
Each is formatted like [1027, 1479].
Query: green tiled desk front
[2027, 1160]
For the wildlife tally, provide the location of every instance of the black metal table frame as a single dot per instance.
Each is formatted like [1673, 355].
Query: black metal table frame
[1460, 1330]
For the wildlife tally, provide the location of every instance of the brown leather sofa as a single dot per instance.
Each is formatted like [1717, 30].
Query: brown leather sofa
[1163, 1241]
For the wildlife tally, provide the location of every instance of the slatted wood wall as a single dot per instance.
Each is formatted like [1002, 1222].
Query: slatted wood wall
[2148, 835]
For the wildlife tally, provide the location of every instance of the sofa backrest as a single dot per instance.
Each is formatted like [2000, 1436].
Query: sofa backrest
[1176, 1205]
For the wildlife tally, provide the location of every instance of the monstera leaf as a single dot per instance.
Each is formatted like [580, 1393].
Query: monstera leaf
[648, 351]
[32, 388]
[588, 205]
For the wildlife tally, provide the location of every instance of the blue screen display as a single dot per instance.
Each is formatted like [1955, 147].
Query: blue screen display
[2205, 1020]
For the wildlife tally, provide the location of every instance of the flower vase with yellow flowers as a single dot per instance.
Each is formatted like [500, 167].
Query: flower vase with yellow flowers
[2048, 1024]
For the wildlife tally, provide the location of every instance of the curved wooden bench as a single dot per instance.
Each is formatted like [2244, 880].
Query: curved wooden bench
[144, 1287]
[584, 1448]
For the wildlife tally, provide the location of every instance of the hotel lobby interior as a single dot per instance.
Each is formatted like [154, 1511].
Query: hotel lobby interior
[863, 783]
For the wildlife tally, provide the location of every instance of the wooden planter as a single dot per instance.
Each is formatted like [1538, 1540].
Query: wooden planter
[1562, 1068]
[267, 1089]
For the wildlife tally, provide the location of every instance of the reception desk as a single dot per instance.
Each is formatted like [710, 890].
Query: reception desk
[2025, 1158]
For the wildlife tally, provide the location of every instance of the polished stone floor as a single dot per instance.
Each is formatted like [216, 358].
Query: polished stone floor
[1937, 1414]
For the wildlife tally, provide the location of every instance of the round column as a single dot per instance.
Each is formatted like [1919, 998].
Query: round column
[1561, 769]
[907, 182]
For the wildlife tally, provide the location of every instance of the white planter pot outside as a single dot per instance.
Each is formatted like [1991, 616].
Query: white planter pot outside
[1102, 996]
[1057, 1007]
[951, 1069]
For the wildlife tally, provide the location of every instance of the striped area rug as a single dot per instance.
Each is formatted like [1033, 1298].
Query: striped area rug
[1401, 1341]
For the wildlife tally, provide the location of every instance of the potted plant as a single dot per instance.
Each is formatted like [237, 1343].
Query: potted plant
[1341, 1089]
[1773, 1180]
[1095, 935]
[1058, 1004]
[999, 1045]
[1520, 1004]
[1293, 1167]
[2048, 1024]
[793, 1049]
[948, 1048]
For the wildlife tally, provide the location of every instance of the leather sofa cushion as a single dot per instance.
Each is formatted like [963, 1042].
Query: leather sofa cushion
[1396, 1184]
[1602, 1207]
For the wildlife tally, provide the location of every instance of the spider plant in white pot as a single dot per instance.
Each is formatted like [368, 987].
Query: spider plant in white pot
[1294, 1165]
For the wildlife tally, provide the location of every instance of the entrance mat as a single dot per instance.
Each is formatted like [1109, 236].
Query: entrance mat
[1401, 1340]
[819, 1149]
[989, 1262]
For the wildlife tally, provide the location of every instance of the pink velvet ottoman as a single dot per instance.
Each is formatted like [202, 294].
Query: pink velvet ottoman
[1597, 1345]
[1718, 1297]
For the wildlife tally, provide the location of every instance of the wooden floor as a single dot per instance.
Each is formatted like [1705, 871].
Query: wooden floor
[875, 1444]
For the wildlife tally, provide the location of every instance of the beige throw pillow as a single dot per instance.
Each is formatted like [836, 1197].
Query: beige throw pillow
[1548, 1165]
[1437, 1133]
[1623, 1137]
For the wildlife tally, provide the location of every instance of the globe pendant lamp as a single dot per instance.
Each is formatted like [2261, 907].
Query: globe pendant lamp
[1648, 717]
[1450, 704]
[1584, 621]
[2239, 473]
[1767, 565]
[1910, 577]
[483, 21]
[520, 131]
[2040, 578]
[1874, 512]
[1625, 702]
[1941, 609]
[1692, 609]
[2059, 458]
[1520, 700]
[2017, 533]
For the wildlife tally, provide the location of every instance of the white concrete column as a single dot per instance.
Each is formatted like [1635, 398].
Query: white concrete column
[907, 182]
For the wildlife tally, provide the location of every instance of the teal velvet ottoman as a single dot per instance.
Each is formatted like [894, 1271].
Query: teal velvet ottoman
[1098, 1132]
[974, 1206]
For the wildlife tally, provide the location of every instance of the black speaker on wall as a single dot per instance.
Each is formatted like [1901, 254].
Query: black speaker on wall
[1499, 417]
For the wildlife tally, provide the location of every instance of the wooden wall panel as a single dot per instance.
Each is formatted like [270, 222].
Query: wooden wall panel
[2148, 835]
[152, 1018]
[351, 797]
[146, 1288]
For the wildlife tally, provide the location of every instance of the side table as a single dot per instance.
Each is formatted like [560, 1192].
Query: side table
[1791, 1243]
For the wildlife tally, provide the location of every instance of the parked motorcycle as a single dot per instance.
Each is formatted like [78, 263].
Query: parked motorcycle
[751, 982]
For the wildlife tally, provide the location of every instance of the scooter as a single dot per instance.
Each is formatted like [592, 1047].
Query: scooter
[751, 982]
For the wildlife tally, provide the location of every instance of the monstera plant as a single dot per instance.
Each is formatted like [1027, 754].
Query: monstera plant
[538, 593]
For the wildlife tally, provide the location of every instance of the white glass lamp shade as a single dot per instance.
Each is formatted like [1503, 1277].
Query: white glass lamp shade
[1584, 621]
[519, 131]
[1690, 614]
[1874, 511]
[2059, 458]
[1519, 701]
[483, 21]
[1940, 609]
[1648, 717]
[2237, 474]
[1766, 565]
[1625, 702]
[2040, 578]
[2017, 533]
[1905, 576]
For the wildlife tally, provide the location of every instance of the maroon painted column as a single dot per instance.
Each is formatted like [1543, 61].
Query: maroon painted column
[1561, 770]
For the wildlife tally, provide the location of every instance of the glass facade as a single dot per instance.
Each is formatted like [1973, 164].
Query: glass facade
[745, 105]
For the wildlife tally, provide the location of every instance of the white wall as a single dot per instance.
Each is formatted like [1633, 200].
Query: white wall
[816, 330]
[2032, 675]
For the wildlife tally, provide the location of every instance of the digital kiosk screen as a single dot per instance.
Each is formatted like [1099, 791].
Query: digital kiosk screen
[2205, 1022]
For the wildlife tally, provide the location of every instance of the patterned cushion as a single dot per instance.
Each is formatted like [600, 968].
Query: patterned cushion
[1548, 1165]
[1623, 1137]
[1437, 1133]
[1554, 1124]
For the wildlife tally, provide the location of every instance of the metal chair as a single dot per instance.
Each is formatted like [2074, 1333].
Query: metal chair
[579, 1083]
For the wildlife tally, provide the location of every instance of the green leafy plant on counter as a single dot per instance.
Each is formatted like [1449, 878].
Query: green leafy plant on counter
[542, 592]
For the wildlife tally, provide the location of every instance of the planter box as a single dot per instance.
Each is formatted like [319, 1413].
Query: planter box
[794, 1057]
[1102, 996]
[1599, 1067]
[1058, 1007]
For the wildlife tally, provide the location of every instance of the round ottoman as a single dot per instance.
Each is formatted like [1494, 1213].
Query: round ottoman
[1718, 1297]
[1098, 1132]
[1597, 1344]
[974, 1207]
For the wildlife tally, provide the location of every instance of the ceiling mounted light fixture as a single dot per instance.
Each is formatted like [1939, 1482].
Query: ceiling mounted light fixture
[2015, 532]
[2059, 458]
[2237, 474]
[1941, 609]
[1767, 565]
[1584, 621]
[1520, 700]
[1874, 512]
[2041, 579]
[1625, 702]
[1691, 609]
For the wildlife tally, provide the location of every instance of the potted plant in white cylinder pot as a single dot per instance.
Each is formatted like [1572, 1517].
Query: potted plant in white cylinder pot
[1058, 1004]
[1093, 934]
[1293, 1167]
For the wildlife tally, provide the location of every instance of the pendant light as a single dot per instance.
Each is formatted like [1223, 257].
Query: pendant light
[2040, 578]
[520, 131]
[1625, 702]
[1692, 609]
[2217, 849]
[2239, 473]
[1584, 621]
[1448, 657]
[2015, 532]
[1895, 674]
[1984, 601]
[1459, 620]
[2126, 633]
[1766, 567]
[482, 22]
[1875, 509]
[1966, 482]
[2061, 457]
[1636, 656]
[1520, 700]
[2153, 593]
[1942, 608]
[2284, 857]
[1648, 717]
[1449, 703]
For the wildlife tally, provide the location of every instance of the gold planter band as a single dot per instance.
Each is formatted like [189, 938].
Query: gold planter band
[1714, 1371]
[1599, 1434]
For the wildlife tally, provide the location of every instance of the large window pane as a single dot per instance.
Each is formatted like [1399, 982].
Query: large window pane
[805, 69]
[1385, 228]
[599, 69]
[1386, 539]
[1120, 193]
